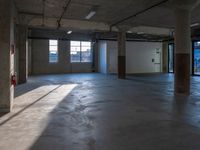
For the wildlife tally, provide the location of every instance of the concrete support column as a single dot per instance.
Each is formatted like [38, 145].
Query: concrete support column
[6, 57]
[182, 51]
[122, 55]
[23, 54]
[183, 47]
[165, 57]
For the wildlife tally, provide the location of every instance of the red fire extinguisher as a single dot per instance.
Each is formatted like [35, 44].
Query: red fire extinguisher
[13, 79]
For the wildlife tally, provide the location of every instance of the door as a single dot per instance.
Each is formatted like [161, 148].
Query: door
[157, 62]
[196, 58]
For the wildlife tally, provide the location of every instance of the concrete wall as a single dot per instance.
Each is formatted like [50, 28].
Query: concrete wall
[139, 57]
[16, 54]
[40, 59]
[102, 57]
[23, 53]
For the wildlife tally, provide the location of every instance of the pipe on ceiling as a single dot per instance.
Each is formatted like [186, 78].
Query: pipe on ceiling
[64, 11]
[138, 13]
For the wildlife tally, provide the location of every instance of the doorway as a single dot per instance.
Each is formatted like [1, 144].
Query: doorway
[196, 58]
[157, 60]
[171, 58]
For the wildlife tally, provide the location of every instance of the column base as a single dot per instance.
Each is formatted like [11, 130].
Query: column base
[4, 110]
[121, 67]
[22, 81]
[182, 74]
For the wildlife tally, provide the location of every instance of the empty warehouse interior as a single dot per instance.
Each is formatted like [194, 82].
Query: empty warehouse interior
[99, 75]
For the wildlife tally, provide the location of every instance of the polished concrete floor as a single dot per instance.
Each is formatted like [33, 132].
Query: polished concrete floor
[100, 112]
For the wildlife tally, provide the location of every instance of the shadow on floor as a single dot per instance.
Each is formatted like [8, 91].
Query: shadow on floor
[67, 125]
[22, 110]
[2, 114]
[140, 120]
[70, 127]
[20, 90]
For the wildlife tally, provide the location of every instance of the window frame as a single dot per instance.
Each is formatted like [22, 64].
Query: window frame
[53, 62]
[81, 56]
[193, 48]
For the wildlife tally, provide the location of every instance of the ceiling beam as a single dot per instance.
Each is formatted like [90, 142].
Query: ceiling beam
[30, 13]
[84, 25]
[151, 30]
[69, 24]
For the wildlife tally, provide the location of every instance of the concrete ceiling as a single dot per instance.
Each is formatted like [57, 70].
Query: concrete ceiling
[108, 12]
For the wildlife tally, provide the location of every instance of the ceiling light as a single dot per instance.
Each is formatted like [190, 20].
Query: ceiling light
[194, 24]
[69, 32]
[140, 32]
[90, 15]
[129, 31]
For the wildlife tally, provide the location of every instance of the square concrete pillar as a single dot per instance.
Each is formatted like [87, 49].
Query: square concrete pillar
[23, 53]
[122, 55]
[6, 56]
[182, 51]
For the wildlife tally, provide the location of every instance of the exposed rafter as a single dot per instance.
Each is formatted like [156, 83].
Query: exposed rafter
[30, 13]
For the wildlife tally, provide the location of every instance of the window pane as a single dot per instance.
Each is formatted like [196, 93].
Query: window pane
[53, 57]
[75, 43]
[53, 42]
[77, 49]
[86, 57]
[86, 54]
[87, 44]
[75, 56]
[53, 48]
[84, 49]
[196, 58]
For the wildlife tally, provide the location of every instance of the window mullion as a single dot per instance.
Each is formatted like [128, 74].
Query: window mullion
[80, 51]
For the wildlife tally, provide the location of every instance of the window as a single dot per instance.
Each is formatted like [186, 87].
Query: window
[80, 51]
[171, 58]
[53, 51]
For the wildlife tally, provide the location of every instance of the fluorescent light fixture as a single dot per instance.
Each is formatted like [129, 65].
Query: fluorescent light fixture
[69, 32]
[129, 31]
[90, 15]
[140, 32]
[194, 24]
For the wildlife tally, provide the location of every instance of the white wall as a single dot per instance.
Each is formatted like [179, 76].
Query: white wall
[139, 57]
[102, 57]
